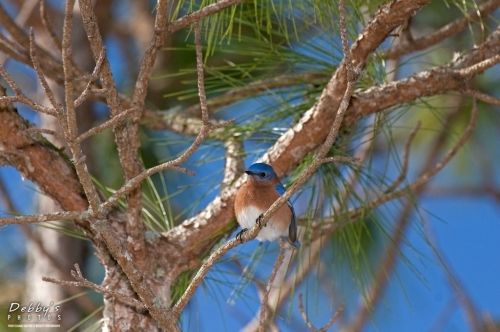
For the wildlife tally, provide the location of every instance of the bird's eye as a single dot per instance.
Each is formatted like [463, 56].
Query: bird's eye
[263, 175]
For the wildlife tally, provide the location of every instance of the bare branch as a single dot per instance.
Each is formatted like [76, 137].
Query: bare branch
[199, 69]
[11, 51]
[112, 122]
[388, 261]
[482, 96]
[198, 15]
[70, 126]
[265, 307]
[276, 299]
[310, 325]
[82, 282]
[447, 31]
[478, 68]
[45, 131]
[48, 27]
[22, 98]
[200, 275]
[93, 77]
[457, 287]
[65, 215]
[406, 157]
[342, 159]
[36, 65]
[42, 163]
[15, 31]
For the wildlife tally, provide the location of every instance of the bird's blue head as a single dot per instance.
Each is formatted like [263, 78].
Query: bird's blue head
[262, 172]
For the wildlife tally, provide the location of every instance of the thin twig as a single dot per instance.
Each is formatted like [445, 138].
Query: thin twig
[200, 275]
[310, 325]
[276, 299]
[21, 97]
[482, 96]
[65, 215]
[199, 70]
[70, 126]
[341, 159]
[427, 175]
[45, 131]
[83, 302]
[38, 69]
[113, 121]
[93, 77]
[478, 68]
[48, 27]
[458, 288]
[82, 282]
[199, 14]
[406, 157]
[265, 307]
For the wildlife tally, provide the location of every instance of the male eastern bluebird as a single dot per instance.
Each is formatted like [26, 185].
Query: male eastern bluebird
[256, 195]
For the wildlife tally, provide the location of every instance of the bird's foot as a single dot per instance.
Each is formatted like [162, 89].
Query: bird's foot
[240, 233]
[258, 221]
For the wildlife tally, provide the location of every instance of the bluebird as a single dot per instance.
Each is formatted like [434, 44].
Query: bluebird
[255, 196]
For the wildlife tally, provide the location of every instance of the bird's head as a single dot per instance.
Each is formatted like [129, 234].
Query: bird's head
[262, 173]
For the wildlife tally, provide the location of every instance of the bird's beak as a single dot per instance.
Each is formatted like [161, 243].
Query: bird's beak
[249, 172]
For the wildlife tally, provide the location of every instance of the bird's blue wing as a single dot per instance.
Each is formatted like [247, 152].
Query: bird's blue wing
[280, 189]
[292, 229]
